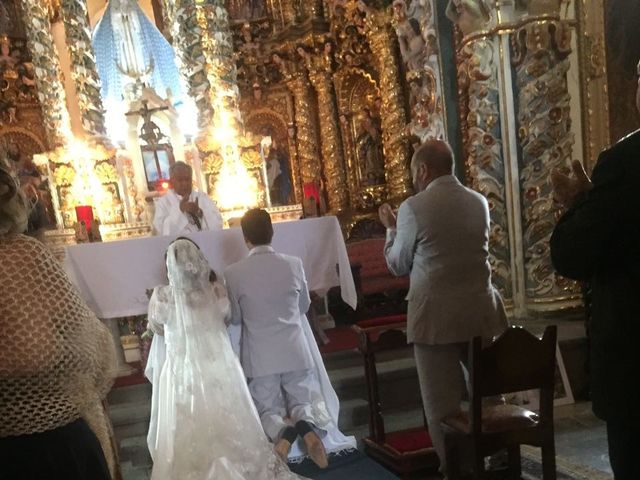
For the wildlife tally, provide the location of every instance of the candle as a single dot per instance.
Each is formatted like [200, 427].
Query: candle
[84, 213]
[312, 190]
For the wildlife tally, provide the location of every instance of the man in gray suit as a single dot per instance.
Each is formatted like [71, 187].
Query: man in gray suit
[440, 236]
[269, 297]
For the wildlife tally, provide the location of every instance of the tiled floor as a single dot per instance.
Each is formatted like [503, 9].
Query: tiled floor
[581, 438]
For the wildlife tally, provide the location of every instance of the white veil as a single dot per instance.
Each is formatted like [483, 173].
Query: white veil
[207, 426]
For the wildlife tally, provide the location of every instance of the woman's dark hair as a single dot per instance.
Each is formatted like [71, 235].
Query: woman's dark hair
[256, 227]
[180, 238]
[212, 276]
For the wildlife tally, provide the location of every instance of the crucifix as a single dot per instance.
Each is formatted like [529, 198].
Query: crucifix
[149, 132]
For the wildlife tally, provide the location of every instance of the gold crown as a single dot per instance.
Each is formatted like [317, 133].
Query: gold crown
[4, 40]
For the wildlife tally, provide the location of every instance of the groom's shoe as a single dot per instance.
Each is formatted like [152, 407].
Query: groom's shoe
[314, 445]
[316, 450]
[283, 446]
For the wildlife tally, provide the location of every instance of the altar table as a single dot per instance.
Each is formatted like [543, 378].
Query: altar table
[113, 276]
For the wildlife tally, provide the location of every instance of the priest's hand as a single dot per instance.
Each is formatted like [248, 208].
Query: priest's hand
[190, 207]
[387, 216]
[566, 188]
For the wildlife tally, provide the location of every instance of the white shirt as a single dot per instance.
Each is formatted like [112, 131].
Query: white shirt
[169, 220]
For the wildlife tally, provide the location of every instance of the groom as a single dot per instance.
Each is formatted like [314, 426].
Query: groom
[269, 297]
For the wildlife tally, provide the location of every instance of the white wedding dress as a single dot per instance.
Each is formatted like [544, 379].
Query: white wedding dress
[204, 425]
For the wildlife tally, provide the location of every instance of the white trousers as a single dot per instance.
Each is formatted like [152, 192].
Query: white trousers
[283, 399]
[441, 373]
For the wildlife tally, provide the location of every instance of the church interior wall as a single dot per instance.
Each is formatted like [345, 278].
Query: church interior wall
[347, 89]
[622, 41]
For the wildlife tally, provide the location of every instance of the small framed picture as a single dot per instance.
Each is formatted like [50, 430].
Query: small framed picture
[562, 394]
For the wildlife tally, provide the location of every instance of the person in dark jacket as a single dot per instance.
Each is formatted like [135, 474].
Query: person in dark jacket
[597, 241]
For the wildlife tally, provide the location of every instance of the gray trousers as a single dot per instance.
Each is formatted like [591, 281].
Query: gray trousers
[441, 373]
[283, 399]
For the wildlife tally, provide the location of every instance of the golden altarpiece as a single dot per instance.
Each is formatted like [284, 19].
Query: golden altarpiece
[330, 96]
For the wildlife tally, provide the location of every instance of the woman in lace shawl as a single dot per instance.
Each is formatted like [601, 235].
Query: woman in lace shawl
[56, 361]
[204, 425]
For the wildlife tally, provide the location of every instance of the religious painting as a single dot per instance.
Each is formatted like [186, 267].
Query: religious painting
[157, 161]
[246, 10]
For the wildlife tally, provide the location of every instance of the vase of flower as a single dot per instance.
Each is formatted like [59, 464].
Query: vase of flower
[131, 347]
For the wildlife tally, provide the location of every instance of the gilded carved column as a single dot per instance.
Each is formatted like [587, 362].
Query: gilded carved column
[393, 116]
[47, 69]
[541, 49]
[330, 140]
[83, 66]
[306, 128]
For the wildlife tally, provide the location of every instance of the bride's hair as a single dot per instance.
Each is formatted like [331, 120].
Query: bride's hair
[13, 207]
[187, 239]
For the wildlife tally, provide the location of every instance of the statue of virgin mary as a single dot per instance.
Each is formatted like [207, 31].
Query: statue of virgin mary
[130, 50]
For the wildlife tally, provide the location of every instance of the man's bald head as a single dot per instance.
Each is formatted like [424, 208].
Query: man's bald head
[181, 175]
[433, 159]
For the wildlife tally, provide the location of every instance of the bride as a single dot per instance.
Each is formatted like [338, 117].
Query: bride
[204, 425]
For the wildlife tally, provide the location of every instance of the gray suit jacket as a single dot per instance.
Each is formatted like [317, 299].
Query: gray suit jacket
[441, 239]
[269, 296]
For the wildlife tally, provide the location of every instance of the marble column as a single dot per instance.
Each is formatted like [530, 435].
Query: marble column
[513, 63]
[84, 71]
[380, 36]
[330, 141]
[47, 69]
[186, 31]
[540, 57]
[478, 64]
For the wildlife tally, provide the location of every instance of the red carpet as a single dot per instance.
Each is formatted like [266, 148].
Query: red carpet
[341, 338]
[135, 378]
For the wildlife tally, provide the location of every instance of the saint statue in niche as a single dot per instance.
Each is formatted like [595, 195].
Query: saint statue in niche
[369, 149]
[246, 10]
[412, 46]
[278, 174]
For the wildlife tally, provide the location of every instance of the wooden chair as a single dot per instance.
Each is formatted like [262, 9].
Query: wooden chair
[403, 451]
[516, 361]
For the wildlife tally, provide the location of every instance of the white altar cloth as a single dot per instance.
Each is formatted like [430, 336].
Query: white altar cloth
[113, 276]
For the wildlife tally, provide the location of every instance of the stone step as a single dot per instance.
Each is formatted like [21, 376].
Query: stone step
[129, 394]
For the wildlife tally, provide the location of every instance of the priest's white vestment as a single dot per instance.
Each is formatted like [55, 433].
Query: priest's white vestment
[169, 220]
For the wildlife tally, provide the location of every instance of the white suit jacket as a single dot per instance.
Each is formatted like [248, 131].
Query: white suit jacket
[442, 240]
[170, 220]
[269, 296]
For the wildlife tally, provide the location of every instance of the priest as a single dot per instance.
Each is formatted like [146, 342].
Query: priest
[182, 210]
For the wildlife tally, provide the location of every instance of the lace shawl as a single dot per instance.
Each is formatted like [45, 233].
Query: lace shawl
[57, 359]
